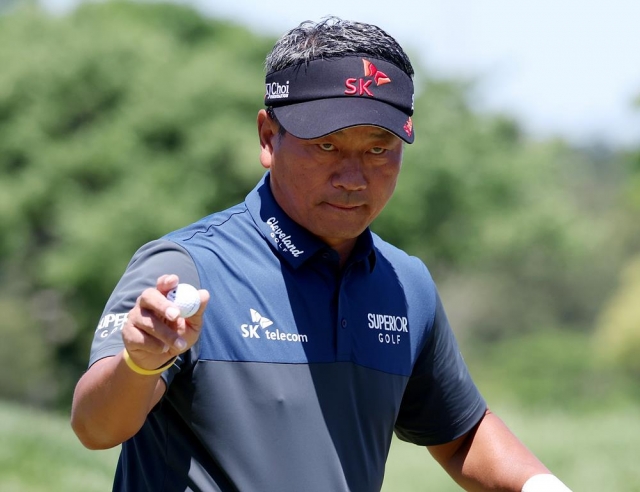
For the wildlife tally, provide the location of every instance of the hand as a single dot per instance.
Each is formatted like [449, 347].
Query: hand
[155, 332]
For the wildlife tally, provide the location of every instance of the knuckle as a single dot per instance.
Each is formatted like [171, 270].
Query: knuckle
[146, 294]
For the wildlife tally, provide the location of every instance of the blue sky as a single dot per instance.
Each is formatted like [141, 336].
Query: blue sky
[561, 67]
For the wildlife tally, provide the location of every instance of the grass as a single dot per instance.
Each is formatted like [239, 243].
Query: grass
[590, 452]
[39, 452]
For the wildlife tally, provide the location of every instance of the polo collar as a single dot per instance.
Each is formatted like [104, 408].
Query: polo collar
[289, 240]
[364, 250]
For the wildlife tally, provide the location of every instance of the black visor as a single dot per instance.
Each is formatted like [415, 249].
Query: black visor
[323, 96]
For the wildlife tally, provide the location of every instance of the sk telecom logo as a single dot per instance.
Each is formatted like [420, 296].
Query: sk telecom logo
[258, 321]
[361, 86]
[261, 322]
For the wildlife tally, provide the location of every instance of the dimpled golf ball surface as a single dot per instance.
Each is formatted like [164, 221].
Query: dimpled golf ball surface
[187, 299]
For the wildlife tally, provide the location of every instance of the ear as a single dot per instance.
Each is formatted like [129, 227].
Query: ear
[267, 132]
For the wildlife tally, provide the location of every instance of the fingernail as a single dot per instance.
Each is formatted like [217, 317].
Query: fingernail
[180, 344]
[165, 348]
[172, 313]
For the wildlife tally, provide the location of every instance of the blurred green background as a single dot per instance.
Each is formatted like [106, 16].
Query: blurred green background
[121, 121]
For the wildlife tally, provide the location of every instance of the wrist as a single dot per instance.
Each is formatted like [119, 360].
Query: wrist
[145, 372]
[544, 483]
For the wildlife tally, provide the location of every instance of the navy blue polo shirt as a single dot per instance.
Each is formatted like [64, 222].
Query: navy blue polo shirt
[303, 370]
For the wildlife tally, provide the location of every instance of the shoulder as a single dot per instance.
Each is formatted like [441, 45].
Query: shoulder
[157, 258]
[393, 266]
[216, 222]
[400, 260]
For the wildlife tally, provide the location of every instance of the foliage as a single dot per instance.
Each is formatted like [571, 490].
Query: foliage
[618, 330]
[617, 336]
[550, 368]
[118, 124]
[123, 121]
[500, 220]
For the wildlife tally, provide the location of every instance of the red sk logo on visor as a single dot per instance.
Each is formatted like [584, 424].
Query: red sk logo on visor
[361, 86]
[370, 70]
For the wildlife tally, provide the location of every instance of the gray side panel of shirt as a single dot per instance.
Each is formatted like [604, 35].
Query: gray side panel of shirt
[274, 427]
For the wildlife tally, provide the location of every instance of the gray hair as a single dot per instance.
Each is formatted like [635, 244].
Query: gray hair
[334, 37]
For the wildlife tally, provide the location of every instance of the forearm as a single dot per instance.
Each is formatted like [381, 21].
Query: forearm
[111, 403]
[491, 458]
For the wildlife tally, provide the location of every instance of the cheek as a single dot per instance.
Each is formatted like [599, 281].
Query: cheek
[385, 185]
[388, 177]
[307, 178]
[298, 188]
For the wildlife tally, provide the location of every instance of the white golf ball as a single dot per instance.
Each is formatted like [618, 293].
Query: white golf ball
[186, 298]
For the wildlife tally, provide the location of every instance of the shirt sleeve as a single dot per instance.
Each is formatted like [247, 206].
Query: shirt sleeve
[441, 401]
[148, 263]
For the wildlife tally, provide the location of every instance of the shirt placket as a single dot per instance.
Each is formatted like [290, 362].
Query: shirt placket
[344, 319]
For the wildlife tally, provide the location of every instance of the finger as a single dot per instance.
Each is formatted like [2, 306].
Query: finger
[156, 301]
[167, 332]
[152, 315]
[137, 340]
[167, 282]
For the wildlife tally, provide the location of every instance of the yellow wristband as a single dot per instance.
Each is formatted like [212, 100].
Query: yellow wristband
[145, 372]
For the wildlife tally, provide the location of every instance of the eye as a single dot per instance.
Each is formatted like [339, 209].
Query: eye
[327, 147]
[378, 150]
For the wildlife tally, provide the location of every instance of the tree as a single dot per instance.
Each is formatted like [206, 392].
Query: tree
[123, 121]
[118, 123]
[618, 331]
[509, 237]
[617, 336]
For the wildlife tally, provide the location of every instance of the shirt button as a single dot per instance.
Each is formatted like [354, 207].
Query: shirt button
[344, 323]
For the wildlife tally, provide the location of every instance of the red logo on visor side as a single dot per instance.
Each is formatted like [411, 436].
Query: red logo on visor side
[361, 86]
[408, 127]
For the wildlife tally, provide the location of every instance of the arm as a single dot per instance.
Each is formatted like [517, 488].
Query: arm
[489, 457]
[441, 402]
[111, 401]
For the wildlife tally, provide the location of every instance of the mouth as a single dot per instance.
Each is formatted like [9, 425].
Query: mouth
[341, 206]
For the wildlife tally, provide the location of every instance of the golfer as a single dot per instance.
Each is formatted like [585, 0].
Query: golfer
[315, 340]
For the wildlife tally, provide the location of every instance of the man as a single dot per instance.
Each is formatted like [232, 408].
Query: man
[315, 339]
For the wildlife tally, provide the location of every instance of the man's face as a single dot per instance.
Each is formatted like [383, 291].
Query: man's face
[333, 186]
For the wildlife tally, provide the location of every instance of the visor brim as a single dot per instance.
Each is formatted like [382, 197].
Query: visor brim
[320, 117]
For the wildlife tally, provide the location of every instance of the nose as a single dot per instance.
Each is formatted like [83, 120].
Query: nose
[350, 175]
